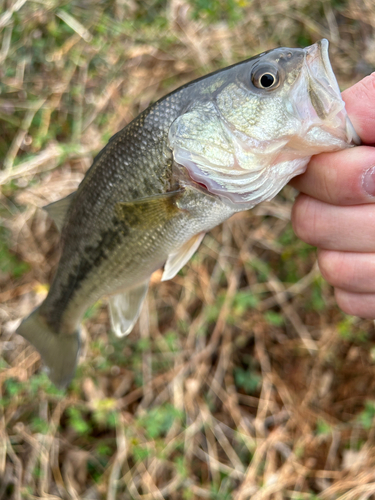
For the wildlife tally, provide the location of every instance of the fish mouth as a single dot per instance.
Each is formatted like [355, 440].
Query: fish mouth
[318, 54]
[324, 92]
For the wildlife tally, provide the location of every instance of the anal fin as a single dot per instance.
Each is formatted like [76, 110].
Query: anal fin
[177, 260]
[125, 307]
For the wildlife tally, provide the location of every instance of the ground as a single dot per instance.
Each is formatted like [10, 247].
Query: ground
[242, 378]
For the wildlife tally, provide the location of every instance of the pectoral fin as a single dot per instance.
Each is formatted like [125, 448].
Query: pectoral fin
[125, 308]
[180, 257]
[58, 210]
[149, 212]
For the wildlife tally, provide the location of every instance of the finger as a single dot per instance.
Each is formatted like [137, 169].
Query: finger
[360, 105]
[357, 304]
[353, 272]
[348, 229]
[343, 178]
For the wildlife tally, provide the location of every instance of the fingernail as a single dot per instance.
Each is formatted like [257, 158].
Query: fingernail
[368, 181]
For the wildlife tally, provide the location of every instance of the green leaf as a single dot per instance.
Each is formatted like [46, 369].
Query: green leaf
[274, 318]
[13, 387]
[77, 421]
[248, 380]
[159, 420]
[243, 301]
[39, 425]
[141, 452]
[323, 427]
[9, 263]
[366, 418]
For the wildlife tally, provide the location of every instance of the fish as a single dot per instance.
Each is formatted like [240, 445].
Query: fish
[218, 145]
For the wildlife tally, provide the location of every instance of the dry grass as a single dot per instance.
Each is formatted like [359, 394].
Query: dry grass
[242, 378]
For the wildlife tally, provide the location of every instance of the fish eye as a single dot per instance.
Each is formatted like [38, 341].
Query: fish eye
[265, 78]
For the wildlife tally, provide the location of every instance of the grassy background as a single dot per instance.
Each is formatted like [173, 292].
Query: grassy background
[242, 379]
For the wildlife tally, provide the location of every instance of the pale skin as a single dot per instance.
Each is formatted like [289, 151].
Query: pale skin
[335, 210]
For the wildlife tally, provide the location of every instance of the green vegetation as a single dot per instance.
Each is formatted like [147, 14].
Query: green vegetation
[249, 381]
[10, 264]
[366, 418]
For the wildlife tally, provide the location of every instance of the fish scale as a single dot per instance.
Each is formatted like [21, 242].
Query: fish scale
[122, 171]
[216, 146]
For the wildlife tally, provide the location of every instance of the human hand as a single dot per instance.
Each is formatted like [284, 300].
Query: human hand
[336, 208]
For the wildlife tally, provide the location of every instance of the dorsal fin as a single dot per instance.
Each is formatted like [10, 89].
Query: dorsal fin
[58, 210]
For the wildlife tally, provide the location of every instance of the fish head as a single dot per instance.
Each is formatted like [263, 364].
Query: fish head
[252, 127]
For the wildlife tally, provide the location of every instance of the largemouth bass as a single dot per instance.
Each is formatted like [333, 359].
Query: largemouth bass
[216, 146]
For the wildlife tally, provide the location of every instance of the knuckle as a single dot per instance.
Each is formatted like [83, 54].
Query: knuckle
[346, 302]
[348, 271]
[335, 268]
[329, 185]
[304, 219]
[327, 266]
[356, 304]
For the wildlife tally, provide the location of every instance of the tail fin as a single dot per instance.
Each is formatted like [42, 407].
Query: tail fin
[59, 352]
